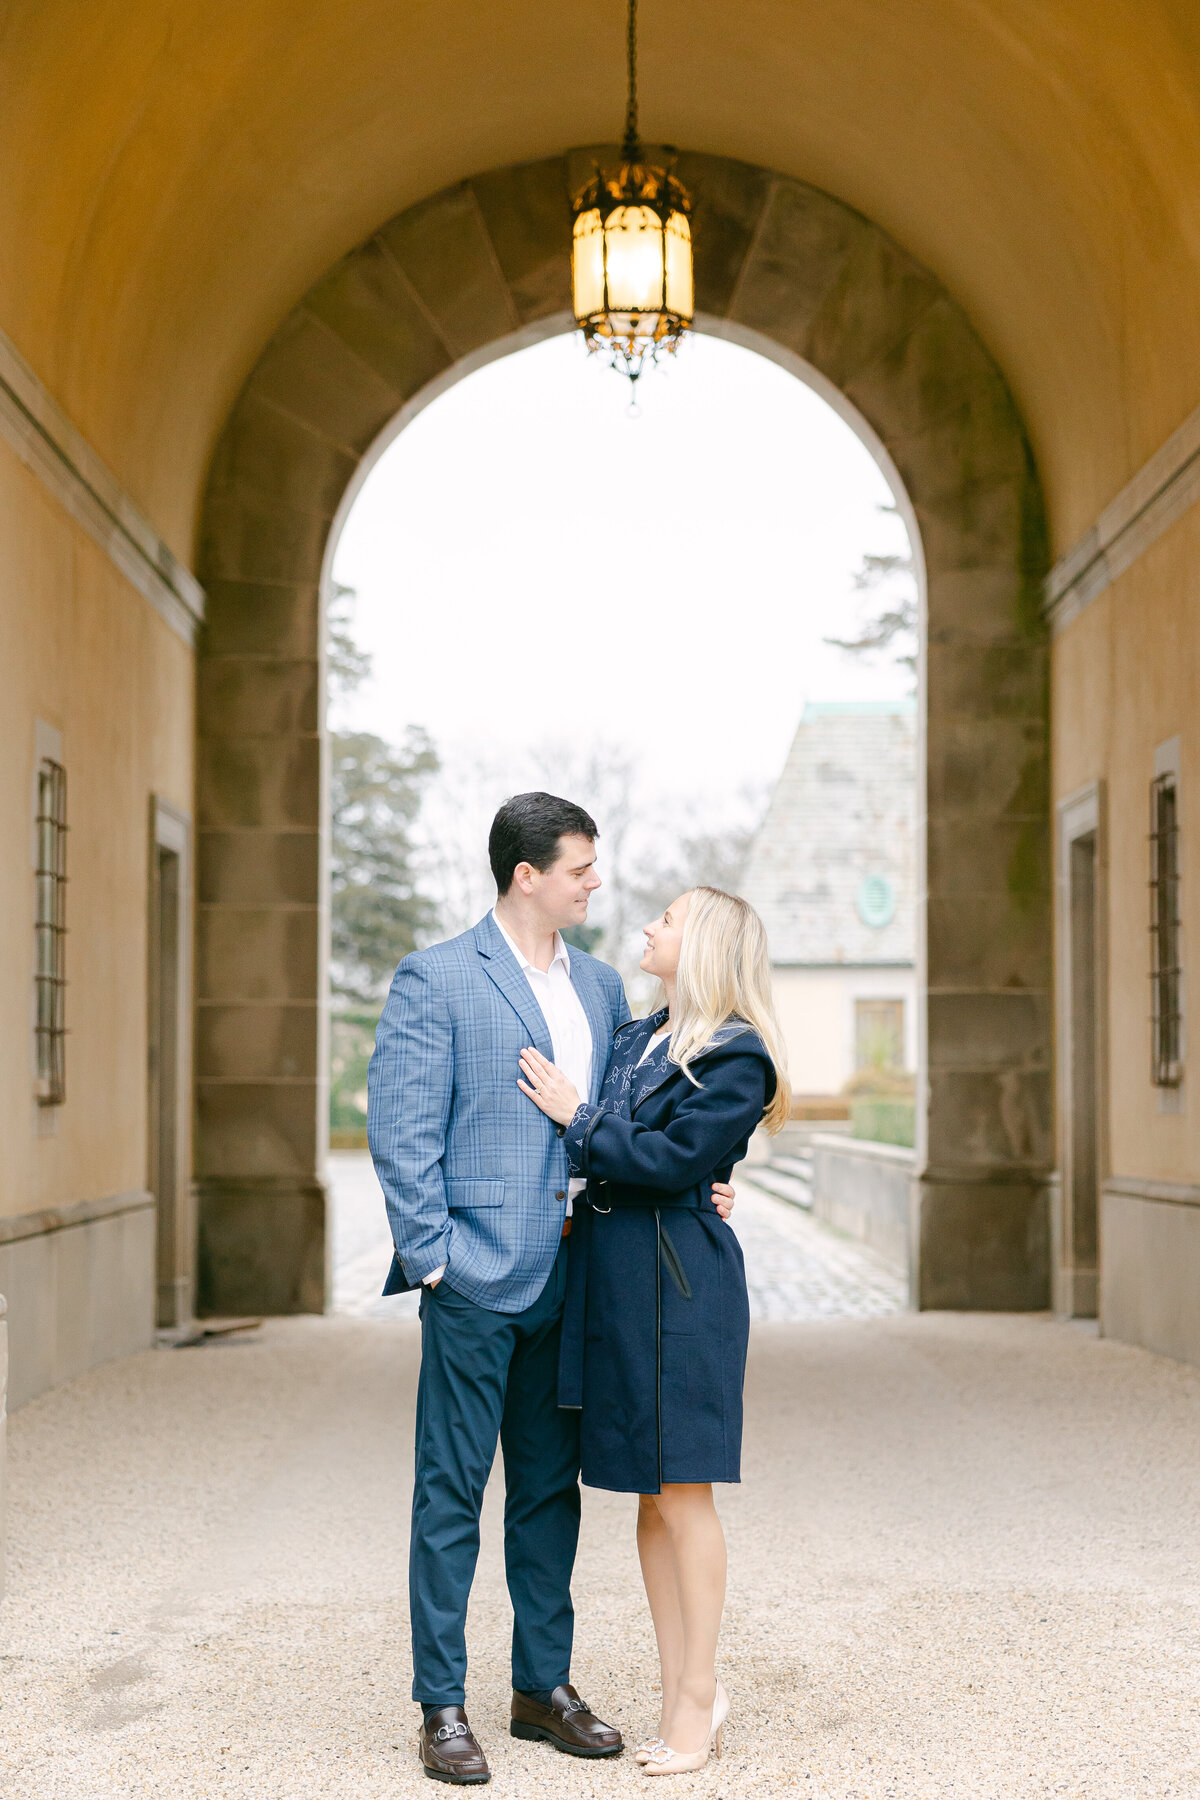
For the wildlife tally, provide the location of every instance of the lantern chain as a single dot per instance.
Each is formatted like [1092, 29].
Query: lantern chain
[631, 107]
[631, 312]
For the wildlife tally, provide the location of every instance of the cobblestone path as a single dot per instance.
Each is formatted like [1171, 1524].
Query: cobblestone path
[796, 1269]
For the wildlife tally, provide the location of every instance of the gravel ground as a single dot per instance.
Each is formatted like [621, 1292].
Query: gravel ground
[964, 1562]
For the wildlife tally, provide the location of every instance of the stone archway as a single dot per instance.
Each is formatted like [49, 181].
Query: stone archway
[430, 295]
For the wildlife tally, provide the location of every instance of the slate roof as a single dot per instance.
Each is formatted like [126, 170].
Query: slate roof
[835, 853]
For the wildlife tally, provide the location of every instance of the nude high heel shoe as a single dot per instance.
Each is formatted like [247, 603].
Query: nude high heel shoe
[665, 1761]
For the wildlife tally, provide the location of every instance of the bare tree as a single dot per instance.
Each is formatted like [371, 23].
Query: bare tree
[651, 847]
[452, 834]
[603, 778]
[462, 802]
[687, 843]
[894, 623]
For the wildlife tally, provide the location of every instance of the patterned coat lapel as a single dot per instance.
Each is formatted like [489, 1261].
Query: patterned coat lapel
[509, 977]
[657, 1068]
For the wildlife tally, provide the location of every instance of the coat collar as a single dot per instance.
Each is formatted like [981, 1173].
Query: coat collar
[650, 1075]
[658, 1069]
[509, 977]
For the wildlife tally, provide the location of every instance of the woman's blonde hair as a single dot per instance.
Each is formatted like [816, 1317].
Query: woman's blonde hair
[724, 975]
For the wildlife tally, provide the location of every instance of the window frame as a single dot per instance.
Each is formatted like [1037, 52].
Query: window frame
[894, 1004]
[50, 930]
[1167, 1013]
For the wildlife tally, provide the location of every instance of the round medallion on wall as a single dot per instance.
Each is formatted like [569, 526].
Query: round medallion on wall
[876, 901]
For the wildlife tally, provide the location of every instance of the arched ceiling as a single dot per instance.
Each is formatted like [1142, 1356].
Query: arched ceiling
[178, 172]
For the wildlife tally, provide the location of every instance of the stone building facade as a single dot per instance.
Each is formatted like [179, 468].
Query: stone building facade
[832, 873]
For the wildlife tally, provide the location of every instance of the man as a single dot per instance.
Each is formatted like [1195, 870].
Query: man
[479, 1202]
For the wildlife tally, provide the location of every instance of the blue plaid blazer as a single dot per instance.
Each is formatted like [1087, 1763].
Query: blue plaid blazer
[473, 1174]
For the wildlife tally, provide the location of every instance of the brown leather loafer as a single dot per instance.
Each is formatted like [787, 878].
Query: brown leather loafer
[568, 1723]
[448, 1750]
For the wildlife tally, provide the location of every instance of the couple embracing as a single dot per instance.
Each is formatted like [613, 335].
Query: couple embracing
[556, 1182]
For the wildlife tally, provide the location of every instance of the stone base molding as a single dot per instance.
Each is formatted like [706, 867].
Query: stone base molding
[263, 1247]
[80, 1284]
[1150, 1265]
[981, 1245]
[3, 1435]
[468, 275]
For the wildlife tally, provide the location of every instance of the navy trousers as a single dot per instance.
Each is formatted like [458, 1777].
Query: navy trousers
[486, 1375]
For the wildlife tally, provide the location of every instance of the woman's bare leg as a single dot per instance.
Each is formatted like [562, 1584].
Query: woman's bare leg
[697, 1545]
[658, 1572]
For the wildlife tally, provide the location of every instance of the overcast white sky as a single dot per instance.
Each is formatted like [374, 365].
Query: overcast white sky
[533, 565]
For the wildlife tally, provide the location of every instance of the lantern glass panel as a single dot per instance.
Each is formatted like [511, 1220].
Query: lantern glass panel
[680, 294]
[587, 264]
[633, 242]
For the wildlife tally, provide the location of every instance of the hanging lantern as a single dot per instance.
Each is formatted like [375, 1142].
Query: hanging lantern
[631, 255]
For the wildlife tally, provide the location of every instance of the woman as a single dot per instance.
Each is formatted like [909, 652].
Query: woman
[656, 1322]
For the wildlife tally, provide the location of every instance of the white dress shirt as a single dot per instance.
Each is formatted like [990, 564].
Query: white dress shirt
[562, 1009]
[570, 1033]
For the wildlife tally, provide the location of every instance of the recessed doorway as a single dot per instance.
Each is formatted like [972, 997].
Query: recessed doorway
[1076, 1224]
[168, 990]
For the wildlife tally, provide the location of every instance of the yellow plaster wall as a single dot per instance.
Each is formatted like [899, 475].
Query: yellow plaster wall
[177, 173]
[1126, 678]
[89, 655]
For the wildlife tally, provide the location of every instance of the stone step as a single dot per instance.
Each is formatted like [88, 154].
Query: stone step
[800, 1166]
[783, 1186]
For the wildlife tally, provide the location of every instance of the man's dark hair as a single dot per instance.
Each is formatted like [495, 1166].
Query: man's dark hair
[527, 829]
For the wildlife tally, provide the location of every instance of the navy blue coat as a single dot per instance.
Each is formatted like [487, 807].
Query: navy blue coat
[657, 1320]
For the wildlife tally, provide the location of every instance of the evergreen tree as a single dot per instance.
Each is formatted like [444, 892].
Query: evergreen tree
[378, 912]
